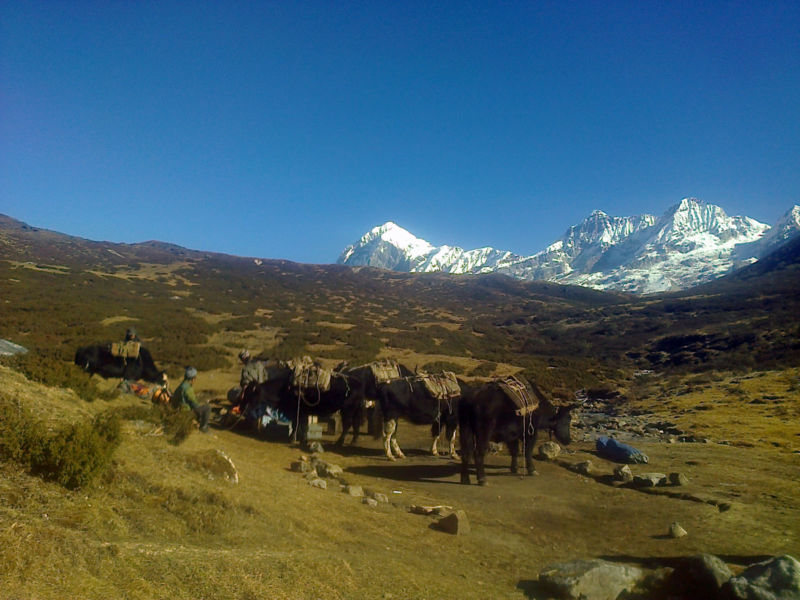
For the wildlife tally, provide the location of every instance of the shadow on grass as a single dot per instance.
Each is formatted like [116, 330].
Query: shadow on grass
[431, 473]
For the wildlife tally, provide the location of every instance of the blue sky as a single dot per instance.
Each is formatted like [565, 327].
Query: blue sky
[289, 129]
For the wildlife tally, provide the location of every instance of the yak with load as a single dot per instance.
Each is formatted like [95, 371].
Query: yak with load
[511, 411]
[128, 360]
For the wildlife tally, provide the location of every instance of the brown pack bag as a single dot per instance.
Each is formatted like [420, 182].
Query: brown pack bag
[385, 370]
[126, 350]
[442, 386]
[310, 376]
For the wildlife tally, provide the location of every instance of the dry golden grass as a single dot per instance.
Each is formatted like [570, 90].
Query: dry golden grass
[166, 521]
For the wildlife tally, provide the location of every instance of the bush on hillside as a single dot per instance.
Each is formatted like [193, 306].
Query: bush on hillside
[72, 455]
[52, 368]
[437, 366]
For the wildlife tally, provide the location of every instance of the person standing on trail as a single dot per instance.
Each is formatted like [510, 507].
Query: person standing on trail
[253, 373]
[184, 396]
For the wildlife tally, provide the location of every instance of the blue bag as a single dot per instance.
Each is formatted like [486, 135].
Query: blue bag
[618, 452]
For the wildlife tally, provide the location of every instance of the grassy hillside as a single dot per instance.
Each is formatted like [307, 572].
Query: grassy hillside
[60, 292]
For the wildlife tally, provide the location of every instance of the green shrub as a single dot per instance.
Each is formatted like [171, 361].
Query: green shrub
[484, 369]
[52, 368]
[178, 424]
[71, 456]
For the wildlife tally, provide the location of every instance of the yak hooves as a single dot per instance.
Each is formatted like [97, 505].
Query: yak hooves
[482, 482]
[465, 479]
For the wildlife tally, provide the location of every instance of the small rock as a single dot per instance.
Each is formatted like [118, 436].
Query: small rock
[549, 450]
[356, 491]
[370, 502]
[379, 497]
[649, 480]
[301, 466]
[455, 523]
[584, 468]
[676, 531]
[328, 470]
[678, 479]
[623, 473]
[318, 483]
[316, 448]
[311, 475]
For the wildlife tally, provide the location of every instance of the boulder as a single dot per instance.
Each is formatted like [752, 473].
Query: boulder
[549, 450]
[590, 579]
[775, 579]
[702, 576]
[455, 523]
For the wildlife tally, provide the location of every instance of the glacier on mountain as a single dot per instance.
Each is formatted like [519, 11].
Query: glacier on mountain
[693, 242]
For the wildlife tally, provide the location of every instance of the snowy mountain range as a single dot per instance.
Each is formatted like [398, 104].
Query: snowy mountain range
[692, 243]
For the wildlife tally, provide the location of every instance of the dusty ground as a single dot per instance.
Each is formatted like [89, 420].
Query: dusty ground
[166, 524]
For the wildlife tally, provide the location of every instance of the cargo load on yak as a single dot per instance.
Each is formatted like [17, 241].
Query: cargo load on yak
[385, 370]
[308, 375]
[442, 386]
[126, 350]
[519, 394]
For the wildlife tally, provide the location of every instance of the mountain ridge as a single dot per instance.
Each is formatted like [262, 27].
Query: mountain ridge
[693, 242]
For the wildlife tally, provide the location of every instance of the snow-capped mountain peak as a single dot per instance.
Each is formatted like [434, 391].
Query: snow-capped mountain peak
[382, 239]
[691, 243]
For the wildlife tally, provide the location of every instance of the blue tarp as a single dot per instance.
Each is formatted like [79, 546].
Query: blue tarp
[618, 452]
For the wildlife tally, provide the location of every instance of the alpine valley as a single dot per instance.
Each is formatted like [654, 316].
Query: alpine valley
[693, 242]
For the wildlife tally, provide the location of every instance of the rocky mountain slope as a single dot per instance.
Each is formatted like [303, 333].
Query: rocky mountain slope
[691, 243]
